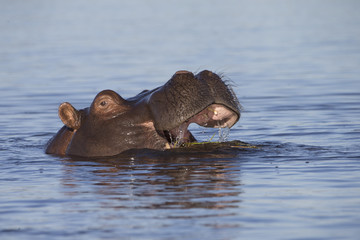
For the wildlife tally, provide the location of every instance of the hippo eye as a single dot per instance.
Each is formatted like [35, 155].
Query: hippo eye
[103, 103]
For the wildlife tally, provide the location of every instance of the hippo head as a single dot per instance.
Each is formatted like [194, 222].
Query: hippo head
[156, 119]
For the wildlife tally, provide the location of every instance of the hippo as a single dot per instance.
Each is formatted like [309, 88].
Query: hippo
[154, 119]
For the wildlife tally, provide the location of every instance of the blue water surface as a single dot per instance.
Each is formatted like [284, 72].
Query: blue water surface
[294, 66]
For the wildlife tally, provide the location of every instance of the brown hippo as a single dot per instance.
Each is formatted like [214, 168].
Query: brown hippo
[156, 119]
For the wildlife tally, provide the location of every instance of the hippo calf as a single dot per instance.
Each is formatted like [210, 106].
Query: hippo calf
[156, 119]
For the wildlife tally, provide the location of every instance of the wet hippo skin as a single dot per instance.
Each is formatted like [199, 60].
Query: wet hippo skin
[156, 119]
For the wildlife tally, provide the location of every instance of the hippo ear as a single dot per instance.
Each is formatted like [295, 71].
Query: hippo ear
[69, 116]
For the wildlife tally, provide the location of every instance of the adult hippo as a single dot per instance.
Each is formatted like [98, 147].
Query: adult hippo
[156, 119]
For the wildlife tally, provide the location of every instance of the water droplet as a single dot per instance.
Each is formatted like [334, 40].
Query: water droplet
[224, 134]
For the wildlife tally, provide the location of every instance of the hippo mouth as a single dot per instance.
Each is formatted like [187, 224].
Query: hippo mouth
[213, 116]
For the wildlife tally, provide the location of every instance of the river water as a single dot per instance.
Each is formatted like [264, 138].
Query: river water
[295, 66]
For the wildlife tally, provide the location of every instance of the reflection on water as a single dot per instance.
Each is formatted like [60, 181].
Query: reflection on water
[165, 181]
[153, 189]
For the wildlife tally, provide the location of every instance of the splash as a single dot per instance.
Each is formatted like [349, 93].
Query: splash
[224, 134]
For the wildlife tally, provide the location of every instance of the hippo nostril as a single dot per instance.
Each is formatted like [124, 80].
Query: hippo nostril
[182, 72]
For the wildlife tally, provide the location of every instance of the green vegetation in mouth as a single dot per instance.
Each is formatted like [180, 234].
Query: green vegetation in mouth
[230, 144]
